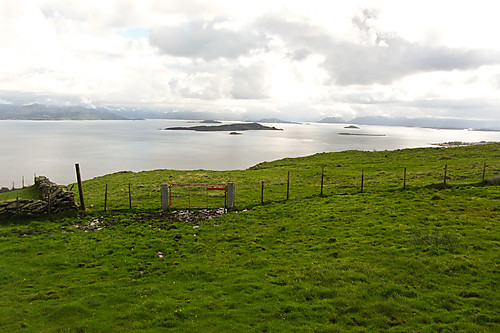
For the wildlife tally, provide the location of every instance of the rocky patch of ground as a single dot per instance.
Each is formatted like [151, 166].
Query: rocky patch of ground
[163, 219]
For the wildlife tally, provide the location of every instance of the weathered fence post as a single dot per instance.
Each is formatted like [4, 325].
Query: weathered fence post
[129, 197]
[106, 198]
[230, 195]
[207, 196]
[288, 186]
[262, 192]
[322, 177]
[17, 206]
[445, 171]
[23, 181]
[484, 170]
[164, 196]
[404, 179]
[80, 189]
[362, 179]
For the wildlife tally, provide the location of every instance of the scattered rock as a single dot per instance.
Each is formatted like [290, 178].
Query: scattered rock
[160, 220]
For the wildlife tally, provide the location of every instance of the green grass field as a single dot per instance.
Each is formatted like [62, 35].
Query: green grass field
[422, 259]
[25, 193]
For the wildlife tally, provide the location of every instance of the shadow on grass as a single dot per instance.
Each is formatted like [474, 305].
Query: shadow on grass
[20, 220]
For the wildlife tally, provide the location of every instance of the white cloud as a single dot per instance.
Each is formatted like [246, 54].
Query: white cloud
[206, 40]
[294, 58]
[251, 82]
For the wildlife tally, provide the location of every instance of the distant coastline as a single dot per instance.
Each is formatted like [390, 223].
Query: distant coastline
[43, 112]
[39, 112]
[461, 143]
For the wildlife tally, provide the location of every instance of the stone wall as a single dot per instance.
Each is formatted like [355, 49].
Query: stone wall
[55, 199]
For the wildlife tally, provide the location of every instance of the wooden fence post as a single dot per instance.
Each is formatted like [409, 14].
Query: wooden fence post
[404, 179]
[288, 187]
[106, 198]
[362, 178]
[17, 206]
[262, 192]
[445, 171]
[129, 197]
[322, 177]
[80, 189]
[484, 170]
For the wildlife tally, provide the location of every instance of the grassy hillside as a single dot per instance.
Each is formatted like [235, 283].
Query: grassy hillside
[422, 259]
[383, 173]
[29, 192]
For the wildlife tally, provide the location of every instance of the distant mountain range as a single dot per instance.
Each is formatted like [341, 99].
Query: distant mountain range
[441, 123]
[43, 112]
[332, 120]
[275, 121]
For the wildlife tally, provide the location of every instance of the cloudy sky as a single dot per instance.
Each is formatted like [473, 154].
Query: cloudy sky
[296, 60]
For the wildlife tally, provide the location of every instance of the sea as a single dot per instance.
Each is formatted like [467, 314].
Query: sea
[52, 148]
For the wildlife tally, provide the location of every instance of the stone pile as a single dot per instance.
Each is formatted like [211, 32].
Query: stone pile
[23, 207]
[55, 199]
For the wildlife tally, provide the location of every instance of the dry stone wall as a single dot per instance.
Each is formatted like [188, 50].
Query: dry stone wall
[55, 199]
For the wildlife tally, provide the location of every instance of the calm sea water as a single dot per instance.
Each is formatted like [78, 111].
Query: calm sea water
[52, 148]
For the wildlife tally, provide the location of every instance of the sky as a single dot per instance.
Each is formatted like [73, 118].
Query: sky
[294, 60]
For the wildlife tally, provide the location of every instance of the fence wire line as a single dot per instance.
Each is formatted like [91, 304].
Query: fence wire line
[305, 183]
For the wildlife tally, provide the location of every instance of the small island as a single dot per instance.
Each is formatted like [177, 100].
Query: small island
[352, 126]
[362, 134]
[227, 128]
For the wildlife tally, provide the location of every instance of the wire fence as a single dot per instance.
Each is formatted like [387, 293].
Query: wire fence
[262, 186]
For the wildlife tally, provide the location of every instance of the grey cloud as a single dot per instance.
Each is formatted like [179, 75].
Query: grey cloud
[201, 39]
[384, 60]
[299, 54]
[350, 63]
[250, 83]
[198, 87]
